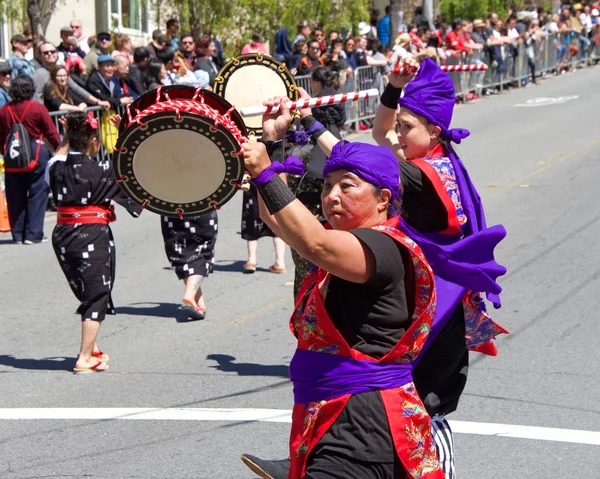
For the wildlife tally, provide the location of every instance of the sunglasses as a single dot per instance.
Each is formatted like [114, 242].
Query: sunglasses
[314, 48]
[4, 74]
[104, 39]
[49, 52]
[187, 43]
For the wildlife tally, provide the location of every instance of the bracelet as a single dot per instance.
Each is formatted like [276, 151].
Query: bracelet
[390, 96]
[314, 128]
[276, 194]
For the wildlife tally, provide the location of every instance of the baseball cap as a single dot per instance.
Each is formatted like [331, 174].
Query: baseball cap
[66, 30]
[105, 58]
[19, 38]
[5, 67]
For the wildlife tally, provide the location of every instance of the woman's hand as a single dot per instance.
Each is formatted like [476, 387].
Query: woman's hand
[400, 81]
[256, 158]
[275, 125]
[82, 106]
[104, 104]
[305, 111]
[115, 120]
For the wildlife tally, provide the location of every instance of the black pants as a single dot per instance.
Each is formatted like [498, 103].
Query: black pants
[531, 63]
[338, 466]
[27, 198]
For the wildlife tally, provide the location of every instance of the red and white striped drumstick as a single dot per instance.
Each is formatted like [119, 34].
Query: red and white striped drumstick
[446, 68]
[328, 100]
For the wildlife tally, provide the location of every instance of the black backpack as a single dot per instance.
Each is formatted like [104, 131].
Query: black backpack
[18, 154]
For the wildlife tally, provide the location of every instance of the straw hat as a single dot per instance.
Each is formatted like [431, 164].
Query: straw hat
[363, 28]
[577, 6]
[403, 40]
[478, 23]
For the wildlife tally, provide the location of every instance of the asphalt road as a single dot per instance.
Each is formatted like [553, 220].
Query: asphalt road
[537, 170]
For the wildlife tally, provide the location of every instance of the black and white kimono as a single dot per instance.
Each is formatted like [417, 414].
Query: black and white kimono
[190, 243]
[86, 252]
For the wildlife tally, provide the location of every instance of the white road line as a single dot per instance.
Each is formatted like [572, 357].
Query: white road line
[282, 416]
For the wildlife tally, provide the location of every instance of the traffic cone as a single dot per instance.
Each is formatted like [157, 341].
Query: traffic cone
[4, 223]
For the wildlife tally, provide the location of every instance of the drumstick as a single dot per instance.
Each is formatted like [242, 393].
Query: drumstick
[446, 68]
[328, 100]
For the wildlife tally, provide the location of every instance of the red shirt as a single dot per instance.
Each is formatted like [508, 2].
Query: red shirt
[37, 122]
[454, 42]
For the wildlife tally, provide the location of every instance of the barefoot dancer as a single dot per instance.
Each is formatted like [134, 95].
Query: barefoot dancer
[83, 188]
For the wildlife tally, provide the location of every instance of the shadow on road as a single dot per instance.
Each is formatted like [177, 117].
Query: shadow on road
[45, 364]
[161, 310]
[226, 364]
[235, 266]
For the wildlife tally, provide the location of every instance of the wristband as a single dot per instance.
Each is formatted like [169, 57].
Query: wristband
[390, 96]
[276, 194]
[292, 165]
[272, 146]
[313, 127]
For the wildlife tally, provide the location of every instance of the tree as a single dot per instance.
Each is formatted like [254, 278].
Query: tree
[39, 13]
[395, 7]
[471, 9]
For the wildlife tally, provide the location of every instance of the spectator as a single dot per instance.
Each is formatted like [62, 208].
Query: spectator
[42, 75]
[254, 46]
[5, 71]
[363, 57]
[136, 77]
[36, 56]
[454, 40]
[17, 61]
[384, 28]
[76, 69]
[156, 73]
[311, 60]
[479, 35]
[283, 47]
[205, 50]
[337, 63]
[158, 44]
[333, 35]
[123, 47]
[178, 73]
[121, 74]
[172, 30]
[57, 96]
[186, 47]
[303, 33]
[300, 49]
[467, 37]
[218, 55]
[69, 45]
[101, 48]
[29, 36]
[496, 42]
[348, 52]
[103, 83]
[82, 40]
[27, 193]
[319, 36]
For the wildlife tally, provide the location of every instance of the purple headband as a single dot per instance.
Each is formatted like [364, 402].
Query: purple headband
[375, 164]
[431, 95]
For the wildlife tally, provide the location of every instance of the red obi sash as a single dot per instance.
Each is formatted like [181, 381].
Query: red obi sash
[92, 214]
[410, 426]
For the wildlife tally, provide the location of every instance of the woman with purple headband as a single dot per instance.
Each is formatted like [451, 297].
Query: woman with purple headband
[436, 217]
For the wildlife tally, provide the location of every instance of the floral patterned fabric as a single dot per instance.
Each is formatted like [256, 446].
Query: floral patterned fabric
[410, 425]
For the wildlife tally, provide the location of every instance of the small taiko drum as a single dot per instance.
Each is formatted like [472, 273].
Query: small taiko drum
[250, 80]
[178, 151]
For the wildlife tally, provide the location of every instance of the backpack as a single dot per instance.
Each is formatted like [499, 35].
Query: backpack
[18, 154]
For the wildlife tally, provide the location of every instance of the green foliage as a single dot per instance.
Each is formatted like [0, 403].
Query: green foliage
[471, 9]
[233, 21]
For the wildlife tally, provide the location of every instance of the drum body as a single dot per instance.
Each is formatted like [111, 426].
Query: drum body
[252, 79]
[178, 152]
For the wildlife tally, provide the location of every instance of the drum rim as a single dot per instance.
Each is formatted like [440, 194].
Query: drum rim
[249, 59]
[235, 115]
[125, 173]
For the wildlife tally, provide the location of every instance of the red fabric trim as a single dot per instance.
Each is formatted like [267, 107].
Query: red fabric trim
[429, 171]
[92, 214]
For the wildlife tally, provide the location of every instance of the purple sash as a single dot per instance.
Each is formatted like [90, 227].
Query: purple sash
[322, 377]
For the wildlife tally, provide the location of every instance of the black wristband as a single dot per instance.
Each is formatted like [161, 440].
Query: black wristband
[276, 194]
[272, 146]
[390, 96]
[307, 123]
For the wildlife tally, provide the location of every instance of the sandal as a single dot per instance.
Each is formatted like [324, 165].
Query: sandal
[93, 369]
[275, 270]
[249, 268]
[100, 356]
[192, 314]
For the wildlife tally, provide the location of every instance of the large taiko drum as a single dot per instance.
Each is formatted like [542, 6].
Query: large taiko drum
[251, 79]
[178, 151]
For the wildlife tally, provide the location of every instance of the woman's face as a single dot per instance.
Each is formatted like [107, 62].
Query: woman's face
[349, 46]
[362, 43]
[127, 47]
[62, 77]
[163, 73]
[315, 86]
[211, 49]
[415, 134]
[304, 49]
[349, 202]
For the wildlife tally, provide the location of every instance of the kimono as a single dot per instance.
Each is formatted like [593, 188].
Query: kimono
[190, 243]
[326, 372]
[253, 228]
[82, 239]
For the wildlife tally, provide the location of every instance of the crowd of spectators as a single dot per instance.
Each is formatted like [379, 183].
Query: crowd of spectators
[109, 71]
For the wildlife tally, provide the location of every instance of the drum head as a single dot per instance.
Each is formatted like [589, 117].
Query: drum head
[178, 167]
[181, 92]
[250, 80]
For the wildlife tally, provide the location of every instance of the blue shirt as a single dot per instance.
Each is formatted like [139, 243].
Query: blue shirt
[383, 30]
[20, 66]
[4, 98]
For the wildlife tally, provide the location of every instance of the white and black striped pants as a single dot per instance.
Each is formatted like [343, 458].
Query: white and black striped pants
[444, 443]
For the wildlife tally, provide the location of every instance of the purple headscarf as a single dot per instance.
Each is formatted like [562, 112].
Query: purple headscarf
[375, 164]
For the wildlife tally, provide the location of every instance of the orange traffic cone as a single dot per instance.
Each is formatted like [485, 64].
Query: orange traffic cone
[4, 223]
